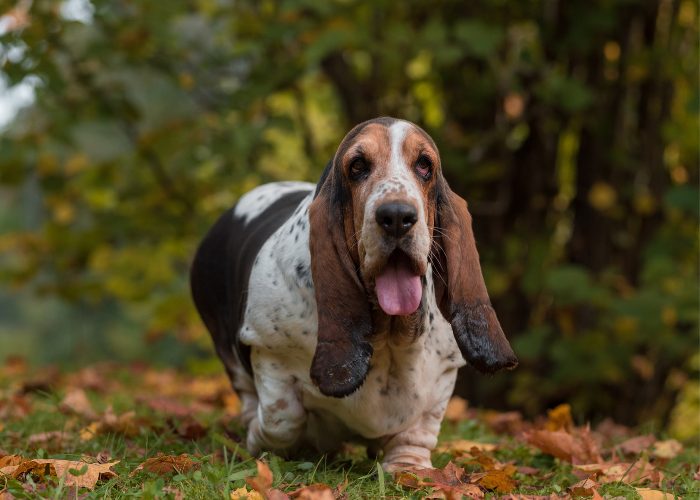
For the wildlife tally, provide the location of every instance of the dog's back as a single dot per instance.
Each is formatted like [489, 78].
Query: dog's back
[221, 268]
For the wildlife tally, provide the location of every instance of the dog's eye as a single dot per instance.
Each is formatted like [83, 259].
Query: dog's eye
[359, 169]
[424, 167]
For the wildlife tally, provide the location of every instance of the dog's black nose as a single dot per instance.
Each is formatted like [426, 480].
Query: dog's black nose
[396, 218]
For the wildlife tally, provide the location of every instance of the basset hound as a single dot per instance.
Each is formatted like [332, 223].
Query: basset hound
[342, 310]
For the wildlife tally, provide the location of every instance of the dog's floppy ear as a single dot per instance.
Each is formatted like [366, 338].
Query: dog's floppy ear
[461, 293]
[342, 356]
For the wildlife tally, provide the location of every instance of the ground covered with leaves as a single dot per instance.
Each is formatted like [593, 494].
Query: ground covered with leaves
[107, 431]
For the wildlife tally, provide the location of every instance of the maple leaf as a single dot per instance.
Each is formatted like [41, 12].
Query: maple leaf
[167, 464]
[637, 472]
[499, 480]
[447, 481]
[575, 448]
[74, 473]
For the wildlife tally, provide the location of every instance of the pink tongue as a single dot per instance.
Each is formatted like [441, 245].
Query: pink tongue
[398, 288]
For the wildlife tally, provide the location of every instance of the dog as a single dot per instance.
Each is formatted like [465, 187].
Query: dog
[343, 310]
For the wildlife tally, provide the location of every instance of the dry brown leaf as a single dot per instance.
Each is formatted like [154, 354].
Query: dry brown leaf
[629, 473]
[496, 480]
[584, 488]
[74, 473]
[649, 494]
[262, 483]
[456, 409]
[447, 481]
[576, 448]
[667, 449]
[464, 447]
[9, 460]
[636, 445]
[316, 491]
[167, 464]
[77, 402]
[559, 418]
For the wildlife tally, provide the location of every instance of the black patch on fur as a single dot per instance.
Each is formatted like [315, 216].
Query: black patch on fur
[221, 270]
[471, 329]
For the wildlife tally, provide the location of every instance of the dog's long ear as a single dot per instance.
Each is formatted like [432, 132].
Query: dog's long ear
[461, 293]
[342, 356]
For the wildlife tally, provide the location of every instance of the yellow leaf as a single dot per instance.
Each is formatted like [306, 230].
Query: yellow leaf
[649, 494]
[667, 449]
[245, 494]
[559, 418]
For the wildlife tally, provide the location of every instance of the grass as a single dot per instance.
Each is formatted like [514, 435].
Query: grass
[223, 465]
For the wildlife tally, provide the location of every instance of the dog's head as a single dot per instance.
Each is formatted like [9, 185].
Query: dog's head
[382, 214]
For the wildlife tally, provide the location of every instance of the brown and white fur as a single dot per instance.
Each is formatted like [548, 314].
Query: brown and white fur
[285, 282]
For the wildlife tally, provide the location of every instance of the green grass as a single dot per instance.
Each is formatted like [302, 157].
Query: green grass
[224, 464]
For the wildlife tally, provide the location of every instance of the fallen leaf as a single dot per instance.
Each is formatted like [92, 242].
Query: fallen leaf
[629, 473]
[649, 494]
[447, 481]
[77, 402]
[464, 447]
[584, 488]
[74, 473]
[262, 483]
[81, 474]
[559, 418]
[667, 449]
[575, 448]
[313, 492]
[167, 464]
[10, 460]
[636, 445]
[244, 493]
[495, 480]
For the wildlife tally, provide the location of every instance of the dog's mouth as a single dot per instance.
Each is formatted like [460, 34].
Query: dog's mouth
[398, 285]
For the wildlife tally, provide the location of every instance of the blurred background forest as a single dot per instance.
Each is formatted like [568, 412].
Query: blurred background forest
[571, 127]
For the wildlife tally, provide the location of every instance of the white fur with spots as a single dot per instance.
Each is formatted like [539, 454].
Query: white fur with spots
[401, 403]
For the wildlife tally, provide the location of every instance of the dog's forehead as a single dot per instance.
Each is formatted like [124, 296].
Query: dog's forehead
[376, 137]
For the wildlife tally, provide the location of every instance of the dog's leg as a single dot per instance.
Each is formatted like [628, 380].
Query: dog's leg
[280, 419]
[412, 447]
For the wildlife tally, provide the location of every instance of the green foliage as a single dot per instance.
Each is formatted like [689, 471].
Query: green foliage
[571, 128]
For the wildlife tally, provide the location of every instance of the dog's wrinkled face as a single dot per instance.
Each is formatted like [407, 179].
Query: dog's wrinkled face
[391, 168]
